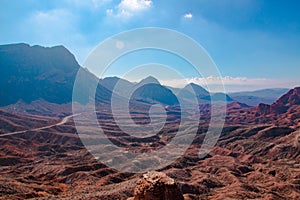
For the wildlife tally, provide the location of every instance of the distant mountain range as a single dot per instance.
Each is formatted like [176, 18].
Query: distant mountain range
[148, 90]
[253, 98]
[34, 73]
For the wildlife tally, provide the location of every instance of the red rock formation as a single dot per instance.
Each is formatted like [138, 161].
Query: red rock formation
[256, 157]
[286, 101]
[156, 186]
[263, 109]
[291, 98]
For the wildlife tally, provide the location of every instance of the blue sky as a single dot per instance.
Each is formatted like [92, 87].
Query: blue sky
[255, 44]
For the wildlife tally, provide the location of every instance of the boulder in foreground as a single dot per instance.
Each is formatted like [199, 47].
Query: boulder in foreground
[156, 186]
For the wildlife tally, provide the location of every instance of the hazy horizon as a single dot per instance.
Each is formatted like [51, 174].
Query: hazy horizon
[231, 84]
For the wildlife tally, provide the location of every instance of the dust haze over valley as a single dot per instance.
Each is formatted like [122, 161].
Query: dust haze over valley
[69, 132]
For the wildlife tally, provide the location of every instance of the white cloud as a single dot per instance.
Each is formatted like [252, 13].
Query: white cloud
[188, 16]
[109, 11]
[128, 8]
[233, 84]
[135, 5]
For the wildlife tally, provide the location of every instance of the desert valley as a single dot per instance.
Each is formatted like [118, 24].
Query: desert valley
[42, 157]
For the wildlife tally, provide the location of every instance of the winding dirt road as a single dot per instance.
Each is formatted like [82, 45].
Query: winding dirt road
[63, 121]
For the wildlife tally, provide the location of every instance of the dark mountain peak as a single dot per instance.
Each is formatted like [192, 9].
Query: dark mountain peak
[148, 80]
[63, 50]
[193, 90]
[155, 93]
[60, 47]
[22, 46]
[111, 78]
[110, 83]
[194, 85]
[36, 56]
[36, 72]
[199, 91]
[14, 46]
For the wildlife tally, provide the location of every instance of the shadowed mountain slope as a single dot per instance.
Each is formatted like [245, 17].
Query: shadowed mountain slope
[30, 73]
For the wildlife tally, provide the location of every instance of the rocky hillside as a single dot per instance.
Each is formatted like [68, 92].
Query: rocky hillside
[283, 104]
[30, 73]
[251, 160]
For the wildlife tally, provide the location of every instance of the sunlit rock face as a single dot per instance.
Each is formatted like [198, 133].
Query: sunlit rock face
[156, 186]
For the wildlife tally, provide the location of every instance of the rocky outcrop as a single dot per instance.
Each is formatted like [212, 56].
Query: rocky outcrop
[156, 186]
[263, 109]
[291, 98]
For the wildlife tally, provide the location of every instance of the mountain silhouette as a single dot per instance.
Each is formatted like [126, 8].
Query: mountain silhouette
[191, 90]
[155, 93]
[148, 80]
[151, 91]
[30, 73]
[118, 85]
